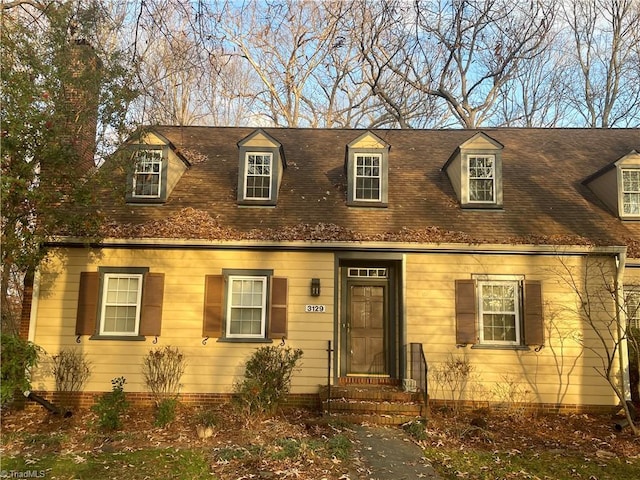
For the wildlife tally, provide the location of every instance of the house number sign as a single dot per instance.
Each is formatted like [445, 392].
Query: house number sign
[315, 308]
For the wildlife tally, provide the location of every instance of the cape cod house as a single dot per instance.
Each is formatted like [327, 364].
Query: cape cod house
[504, 249]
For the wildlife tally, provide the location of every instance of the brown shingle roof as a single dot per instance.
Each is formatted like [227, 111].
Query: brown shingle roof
[544, 199]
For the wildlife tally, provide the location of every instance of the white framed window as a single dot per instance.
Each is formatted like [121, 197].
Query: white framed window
[367, 177]
[499, 317]
[632, 306]
[482, 179]
[121, 304]
[147, 177]
[631, 191]
[247, 306]
[258, 168]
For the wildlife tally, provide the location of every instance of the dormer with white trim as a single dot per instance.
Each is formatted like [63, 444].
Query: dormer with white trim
[261, 165]
[367, 168]
[155, 169]
[475, 172]
[618, 186]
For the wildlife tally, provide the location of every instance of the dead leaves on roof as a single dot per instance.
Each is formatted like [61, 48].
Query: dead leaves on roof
[191, 224]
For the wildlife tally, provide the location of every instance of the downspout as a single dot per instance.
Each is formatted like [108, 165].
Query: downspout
[621, 322]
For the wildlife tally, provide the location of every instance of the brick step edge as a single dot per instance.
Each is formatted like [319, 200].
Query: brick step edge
[375, 419]
[371, 395]
[337, 405]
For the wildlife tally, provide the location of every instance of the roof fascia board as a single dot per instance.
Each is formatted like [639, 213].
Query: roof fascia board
[526, 249]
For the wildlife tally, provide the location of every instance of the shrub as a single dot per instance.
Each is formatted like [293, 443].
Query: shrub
[267, 379]
[71, 370]
[112, 405]
[166, 412]
[19, 357]
[162, 369]
[451, 377]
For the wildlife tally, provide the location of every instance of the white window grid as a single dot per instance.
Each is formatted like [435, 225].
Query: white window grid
[121, 304]
[482, 179]
[258, 168]
[631, 191]
[499, 315]
[147, 178]
[367, 178]
[246, 308]
[632, 305]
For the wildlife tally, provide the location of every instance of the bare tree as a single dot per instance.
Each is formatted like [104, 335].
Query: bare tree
[462, 53]
[604, 37]
[284, 43]
[601, 306]
[379, 29]
[535, 96]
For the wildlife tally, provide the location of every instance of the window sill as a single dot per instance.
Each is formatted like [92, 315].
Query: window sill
[487, 346]
[244, 340]
[126, 338]
[482, 206]
[367, 204]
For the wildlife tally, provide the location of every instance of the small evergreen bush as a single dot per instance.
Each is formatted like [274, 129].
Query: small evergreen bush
[111, 406]
[267, 379]
[166, 412]
[19, 357]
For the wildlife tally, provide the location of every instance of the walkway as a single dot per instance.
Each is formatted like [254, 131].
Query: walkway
[388, 453]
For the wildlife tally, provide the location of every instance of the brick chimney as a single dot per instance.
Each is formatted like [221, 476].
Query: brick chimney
[81, 92]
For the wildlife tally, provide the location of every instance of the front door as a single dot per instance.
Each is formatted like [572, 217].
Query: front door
[366, 328]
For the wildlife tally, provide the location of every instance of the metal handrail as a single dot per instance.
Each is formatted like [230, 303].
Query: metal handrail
[419, 368]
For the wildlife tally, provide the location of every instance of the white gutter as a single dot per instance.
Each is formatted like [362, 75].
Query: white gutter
[35, 296]
[421, 247]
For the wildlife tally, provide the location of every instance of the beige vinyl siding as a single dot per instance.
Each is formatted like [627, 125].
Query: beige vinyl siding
[212, 367]
[562, 372]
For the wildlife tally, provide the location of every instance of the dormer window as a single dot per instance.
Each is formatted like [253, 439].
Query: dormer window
[367, 168]
[631, 191]
[147, 177]
[368, 177]
[155, 168]
[258, 177]
[261, 167]
[482, 179]
[475, 172]
[617, 185]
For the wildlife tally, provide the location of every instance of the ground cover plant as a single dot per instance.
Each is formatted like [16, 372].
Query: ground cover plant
[305, 446]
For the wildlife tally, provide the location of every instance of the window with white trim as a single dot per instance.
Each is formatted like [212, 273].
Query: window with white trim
[631, 191]
[633, 308]
[367, 177]
[147, 177]
[258, 168]
[121, 304]
[482, 178]
[247, 305]
[499, 312]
